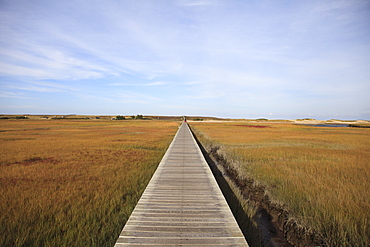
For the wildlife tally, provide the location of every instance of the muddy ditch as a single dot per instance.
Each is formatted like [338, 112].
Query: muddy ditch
[262, 221]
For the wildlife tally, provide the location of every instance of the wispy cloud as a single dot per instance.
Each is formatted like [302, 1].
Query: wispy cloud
[191, 3]
[7, 94]
[41, 86]
[157, 83]
[50, 63]
[219, 54]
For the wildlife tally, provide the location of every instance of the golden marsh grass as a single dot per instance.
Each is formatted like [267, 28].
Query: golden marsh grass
[321, 174]
[74, 183]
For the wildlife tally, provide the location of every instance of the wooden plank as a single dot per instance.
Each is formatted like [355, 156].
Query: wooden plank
[182, 204]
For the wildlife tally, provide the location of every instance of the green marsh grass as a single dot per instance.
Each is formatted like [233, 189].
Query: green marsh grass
[321, 174]
[74, 183]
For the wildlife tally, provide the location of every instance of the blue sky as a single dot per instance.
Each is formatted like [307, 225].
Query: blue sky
[237, 59]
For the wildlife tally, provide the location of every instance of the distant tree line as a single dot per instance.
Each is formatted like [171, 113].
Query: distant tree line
[137, 117]
[16, 117]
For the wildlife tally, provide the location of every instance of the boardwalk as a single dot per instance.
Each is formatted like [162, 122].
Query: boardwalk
[182, 205]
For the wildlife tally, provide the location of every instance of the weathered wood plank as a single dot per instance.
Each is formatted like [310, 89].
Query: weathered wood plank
[182, 204]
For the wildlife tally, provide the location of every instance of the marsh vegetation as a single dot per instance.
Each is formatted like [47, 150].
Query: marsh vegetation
[74, 183]
[319, 175]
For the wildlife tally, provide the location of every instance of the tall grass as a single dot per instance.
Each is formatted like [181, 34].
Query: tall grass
[320, 174]
[74, 183]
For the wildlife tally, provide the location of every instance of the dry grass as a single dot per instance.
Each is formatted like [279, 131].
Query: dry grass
[321, 174]
[74, 183]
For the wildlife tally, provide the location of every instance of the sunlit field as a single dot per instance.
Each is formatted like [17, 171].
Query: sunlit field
[74, 183]
[321, 174]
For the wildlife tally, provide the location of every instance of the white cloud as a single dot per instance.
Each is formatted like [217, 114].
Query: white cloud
[191, 3]
[157, 83]
[50, 63]
[7, 94]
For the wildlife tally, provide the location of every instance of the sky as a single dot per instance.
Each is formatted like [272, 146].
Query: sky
[275, 59]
